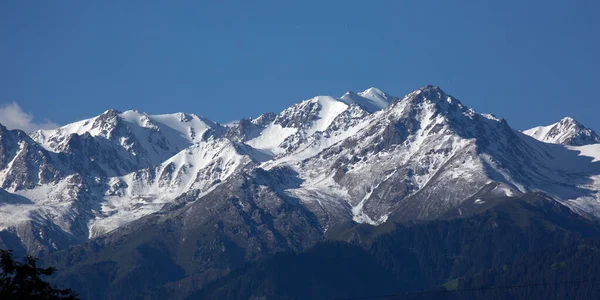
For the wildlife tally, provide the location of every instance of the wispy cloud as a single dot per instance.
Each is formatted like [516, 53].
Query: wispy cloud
[13, 117]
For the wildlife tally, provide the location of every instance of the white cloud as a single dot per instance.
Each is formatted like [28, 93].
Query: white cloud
[13, 117]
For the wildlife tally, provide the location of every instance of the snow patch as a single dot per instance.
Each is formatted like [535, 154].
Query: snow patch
[271, 137]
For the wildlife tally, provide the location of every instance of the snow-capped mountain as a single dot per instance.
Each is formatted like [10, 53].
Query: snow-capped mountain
[361, 158]
[200, 167]
[121, 142]
[297, 125]
[566, 132]
[428, 153]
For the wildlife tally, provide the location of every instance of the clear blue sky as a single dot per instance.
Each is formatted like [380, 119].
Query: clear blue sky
[531, 62]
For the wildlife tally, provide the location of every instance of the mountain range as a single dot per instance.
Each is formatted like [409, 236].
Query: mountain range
[111, 196]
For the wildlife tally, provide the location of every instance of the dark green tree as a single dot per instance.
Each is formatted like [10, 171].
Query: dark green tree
[22, 280]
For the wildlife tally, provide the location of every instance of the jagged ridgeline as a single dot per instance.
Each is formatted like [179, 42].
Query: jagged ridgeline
[145, 203]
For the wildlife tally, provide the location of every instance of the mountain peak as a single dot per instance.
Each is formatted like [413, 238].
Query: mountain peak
[433, 91]
[111, 112]
[350, 94]
[567, 131]
[431, 87]
[568, 120]
[375, 93]
[373, 90]
[371, 99]
[434, 94]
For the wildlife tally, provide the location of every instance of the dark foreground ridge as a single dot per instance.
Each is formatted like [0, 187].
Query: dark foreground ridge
[504, 242]
[522, 249]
